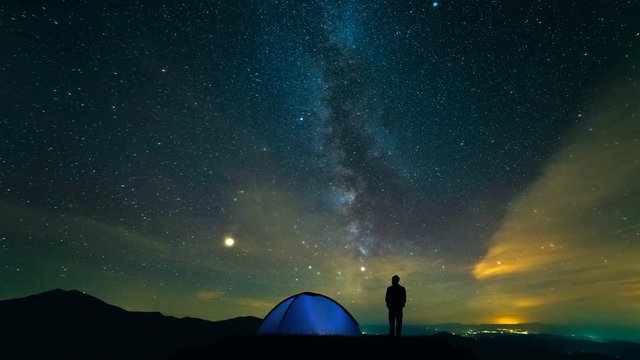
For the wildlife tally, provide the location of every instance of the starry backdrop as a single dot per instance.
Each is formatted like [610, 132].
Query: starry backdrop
[210, 158]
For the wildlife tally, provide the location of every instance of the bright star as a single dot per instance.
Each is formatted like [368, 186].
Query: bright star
[435, 4]
[229, 242]
[362, 268]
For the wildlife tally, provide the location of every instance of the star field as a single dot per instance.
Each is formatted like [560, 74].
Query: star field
[210, 158]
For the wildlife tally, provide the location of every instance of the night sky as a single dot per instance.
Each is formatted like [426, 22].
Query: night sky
[488, 152]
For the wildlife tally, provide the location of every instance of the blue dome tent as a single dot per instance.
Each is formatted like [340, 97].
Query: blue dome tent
[309, 313]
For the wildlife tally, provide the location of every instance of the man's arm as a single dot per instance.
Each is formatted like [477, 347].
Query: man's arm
[386, 298]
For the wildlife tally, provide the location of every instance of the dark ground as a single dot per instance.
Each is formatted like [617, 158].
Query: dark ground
[438, 346]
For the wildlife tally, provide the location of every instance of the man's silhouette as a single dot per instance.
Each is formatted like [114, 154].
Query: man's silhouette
[396, 298]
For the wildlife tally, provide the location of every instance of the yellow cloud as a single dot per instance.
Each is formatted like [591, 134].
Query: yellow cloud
[569, 245]
[209, 295]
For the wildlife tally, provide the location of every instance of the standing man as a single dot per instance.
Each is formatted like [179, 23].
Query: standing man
[395, 298]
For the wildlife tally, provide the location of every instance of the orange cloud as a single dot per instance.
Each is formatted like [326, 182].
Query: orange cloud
[568, 246]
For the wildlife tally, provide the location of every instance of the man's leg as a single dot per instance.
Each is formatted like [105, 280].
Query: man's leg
[399, 322]
[391, 323]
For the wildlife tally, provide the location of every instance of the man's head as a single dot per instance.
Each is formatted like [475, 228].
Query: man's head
[395, 279]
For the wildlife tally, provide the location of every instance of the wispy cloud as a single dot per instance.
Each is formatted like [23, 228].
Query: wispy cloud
[209, 295]
[571, 237]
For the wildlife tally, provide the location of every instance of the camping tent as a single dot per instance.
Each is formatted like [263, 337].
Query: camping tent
[309, 314]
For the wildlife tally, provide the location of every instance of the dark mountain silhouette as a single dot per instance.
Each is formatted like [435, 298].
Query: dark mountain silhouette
[64, 324]
[70, 324]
